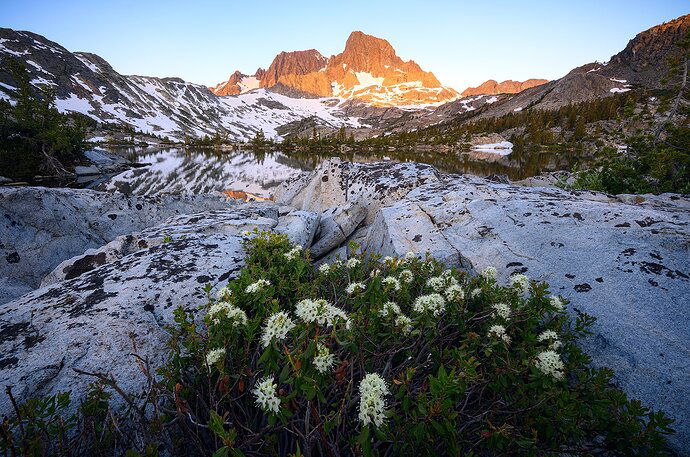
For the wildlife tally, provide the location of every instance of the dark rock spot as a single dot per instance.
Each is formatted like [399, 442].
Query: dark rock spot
[578, 216]
[4, 363]
[628, 252]
[600, 279]
[324, 178]
[623, 225]
[86, 263]
[582, 287]
[203, 279]
[138, 206]
[148, 307]
[12, 258]
[417, 238]
[569, 276]
[112, 216]
[514, 264]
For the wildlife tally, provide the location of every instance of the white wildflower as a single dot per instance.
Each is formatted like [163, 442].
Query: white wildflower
[324, 269]
[276, 328]
[406, 276]
[353, 262]
[436, 283]
[521, 282]
[323, 360]
[293, 253]
[391, 282]
[257, 286]
[501, 310]
[388, 259]
[556, 302]
[265, 393]
[500, 332]
[404, 322]
[374, 273]
[355, 287]
[223, 293]
[489, 273]
[475, 292]
[455, 293]
[433, 303]
[246, 233]
[409, 257]
[389, 309]
[549, 363]
[551, 337]
[215, 356]
[232, 312]
[372, 390]
[321, 312]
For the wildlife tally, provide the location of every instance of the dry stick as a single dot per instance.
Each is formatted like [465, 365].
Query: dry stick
[8, 389]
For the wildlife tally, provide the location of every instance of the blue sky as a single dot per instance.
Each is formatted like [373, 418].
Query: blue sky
[462, 42]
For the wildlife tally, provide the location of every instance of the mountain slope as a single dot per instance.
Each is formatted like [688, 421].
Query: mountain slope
[643, 63]
[368, 70]
[87, 84]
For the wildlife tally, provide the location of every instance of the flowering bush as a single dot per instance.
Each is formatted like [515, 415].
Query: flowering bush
[398, 356]
[391, 357]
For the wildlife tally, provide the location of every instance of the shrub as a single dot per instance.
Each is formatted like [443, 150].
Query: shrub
[389, 356]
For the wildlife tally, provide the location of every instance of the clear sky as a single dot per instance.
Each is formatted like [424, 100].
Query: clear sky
[462, 42]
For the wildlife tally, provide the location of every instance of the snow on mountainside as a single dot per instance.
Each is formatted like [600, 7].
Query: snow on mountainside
[87, 84]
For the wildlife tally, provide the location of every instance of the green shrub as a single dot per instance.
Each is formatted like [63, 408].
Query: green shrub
[389, 356]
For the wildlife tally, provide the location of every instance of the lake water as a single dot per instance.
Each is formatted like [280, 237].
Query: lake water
[179, 170]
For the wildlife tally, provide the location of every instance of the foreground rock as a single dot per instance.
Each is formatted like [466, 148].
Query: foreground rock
[42, 227]
[87, 323]
[624, 260]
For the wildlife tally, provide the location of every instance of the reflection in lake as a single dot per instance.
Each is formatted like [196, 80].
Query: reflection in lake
[177, 170]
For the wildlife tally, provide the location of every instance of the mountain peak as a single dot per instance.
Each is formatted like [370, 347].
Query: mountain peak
[368, 69]
[493, 87]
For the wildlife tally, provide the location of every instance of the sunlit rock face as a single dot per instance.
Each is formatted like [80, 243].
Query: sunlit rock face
[368, 70]
[492, 87]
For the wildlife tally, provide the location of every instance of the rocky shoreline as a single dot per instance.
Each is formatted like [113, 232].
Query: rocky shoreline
[84, 272]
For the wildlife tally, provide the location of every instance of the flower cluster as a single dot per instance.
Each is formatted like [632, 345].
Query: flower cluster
[552, 337]
[475, 292]
[232, 312]
[389, 309]
[550, 363]
[223, 293]
[455, 293]
[501, 310]
[323, 360]
[265, 393]
[499, 331]
[257, 286]
[404, 322]
[276, 328]
[406, 276]
[215, 356]
[433, 303]
[293, 253]
[324, 268]
[353, 262]
[556, 302]
[409, 257]
[355, 287]
[321, 312]
[372, 390]
[521, 282]
[489, 273]
[391, 282]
